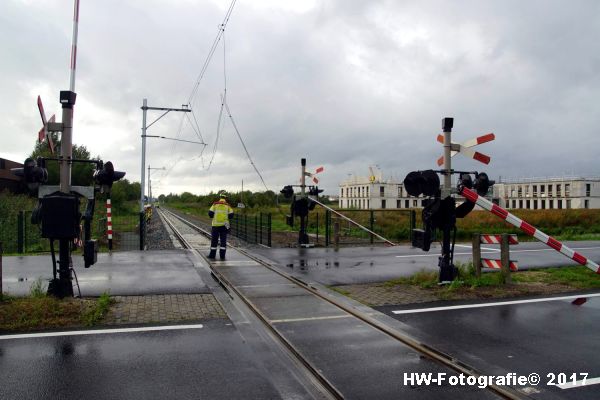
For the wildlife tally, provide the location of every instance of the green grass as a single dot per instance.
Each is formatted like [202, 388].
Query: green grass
[39, 311]
[95, 314]
[577, 277]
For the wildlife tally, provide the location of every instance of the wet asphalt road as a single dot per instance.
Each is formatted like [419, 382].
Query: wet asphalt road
[208, 363]
[549, 337]
[216, 362]
[353, 265]
[131, 273]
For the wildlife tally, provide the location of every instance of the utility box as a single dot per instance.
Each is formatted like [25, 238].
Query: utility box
[60, 216]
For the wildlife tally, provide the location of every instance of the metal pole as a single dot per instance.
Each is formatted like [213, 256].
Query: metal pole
[1, 251]
[371, 224]
[142, 180]
[269, 231]
[303, 179]
[74, 45]
[447, 124]
[149, 187]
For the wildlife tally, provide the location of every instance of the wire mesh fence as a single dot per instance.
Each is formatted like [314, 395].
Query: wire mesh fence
[20, 236]
[394, 225]
[254, 229]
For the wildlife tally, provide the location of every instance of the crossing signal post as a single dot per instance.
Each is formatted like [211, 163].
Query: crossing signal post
[59, 215]
[440, 211]
[302, 202]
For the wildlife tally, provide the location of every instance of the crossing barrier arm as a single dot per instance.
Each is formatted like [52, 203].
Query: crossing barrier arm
[353, 222]
[500, 212]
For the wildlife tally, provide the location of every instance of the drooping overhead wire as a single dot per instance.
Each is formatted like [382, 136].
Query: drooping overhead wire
[243, 144]
[220, 123]
[212, 50]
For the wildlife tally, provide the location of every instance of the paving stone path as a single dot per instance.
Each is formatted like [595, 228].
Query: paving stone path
[164, 308]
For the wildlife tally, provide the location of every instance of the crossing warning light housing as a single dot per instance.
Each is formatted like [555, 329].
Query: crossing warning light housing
[482, 184]
[287, 191]
[33, 173]
[422, 182]
[106, 175]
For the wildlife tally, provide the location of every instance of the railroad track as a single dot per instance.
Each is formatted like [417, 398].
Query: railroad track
[441, 358]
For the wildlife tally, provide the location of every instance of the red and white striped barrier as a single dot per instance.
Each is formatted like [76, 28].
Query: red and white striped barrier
[74, 45]
[109, 230]
[496, 264]
[496, 239]
[528, 229]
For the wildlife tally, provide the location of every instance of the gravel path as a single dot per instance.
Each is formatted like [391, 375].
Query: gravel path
[158, 237]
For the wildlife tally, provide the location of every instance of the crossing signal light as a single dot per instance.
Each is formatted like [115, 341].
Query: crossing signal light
[314, 191]
[33, 172]
[482, 183]
[106, 175]
[287, 191]
[422, 182]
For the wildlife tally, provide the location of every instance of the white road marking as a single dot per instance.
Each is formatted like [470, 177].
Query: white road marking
[101, 331]
[571, 385]
[494, 251]
[437, 255]
[309, 318]
[493, 304]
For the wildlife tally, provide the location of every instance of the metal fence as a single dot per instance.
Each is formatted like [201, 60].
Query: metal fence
[20, 236]
[252, 228]
[395, 225]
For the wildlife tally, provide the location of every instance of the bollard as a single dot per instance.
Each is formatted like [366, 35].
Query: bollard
[477, 254]
[505, 259]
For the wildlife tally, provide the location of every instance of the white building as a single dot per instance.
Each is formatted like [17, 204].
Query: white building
[373, 192]
[548, 193]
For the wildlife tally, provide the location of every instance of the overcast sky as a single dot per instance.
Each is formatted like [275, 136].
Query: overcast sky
[345, 84]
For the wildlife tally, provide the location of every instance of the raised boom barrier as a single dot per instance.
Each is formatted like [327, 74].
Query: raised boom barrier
[528, 229]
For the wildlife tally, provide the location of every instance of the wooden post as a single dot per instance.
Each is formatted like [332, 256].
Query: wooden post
[505, 258]
[477, 254]
[336, 234]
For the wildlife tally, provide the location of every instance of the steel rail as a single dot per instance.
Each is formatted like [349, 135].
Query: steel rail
[434, 354]
[318, 376]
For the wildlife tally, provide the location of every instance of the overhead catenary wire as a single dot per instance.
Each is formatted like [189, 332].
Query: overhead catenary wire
[243, 144]
[212, 50]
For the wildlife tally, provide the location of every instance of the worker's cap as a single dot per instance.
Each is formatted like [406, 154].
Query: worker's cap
[222, 194]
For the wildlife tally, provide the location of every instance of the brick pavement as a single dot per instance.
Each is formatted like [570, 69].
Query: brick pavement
[381, 294]
[164, 308]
